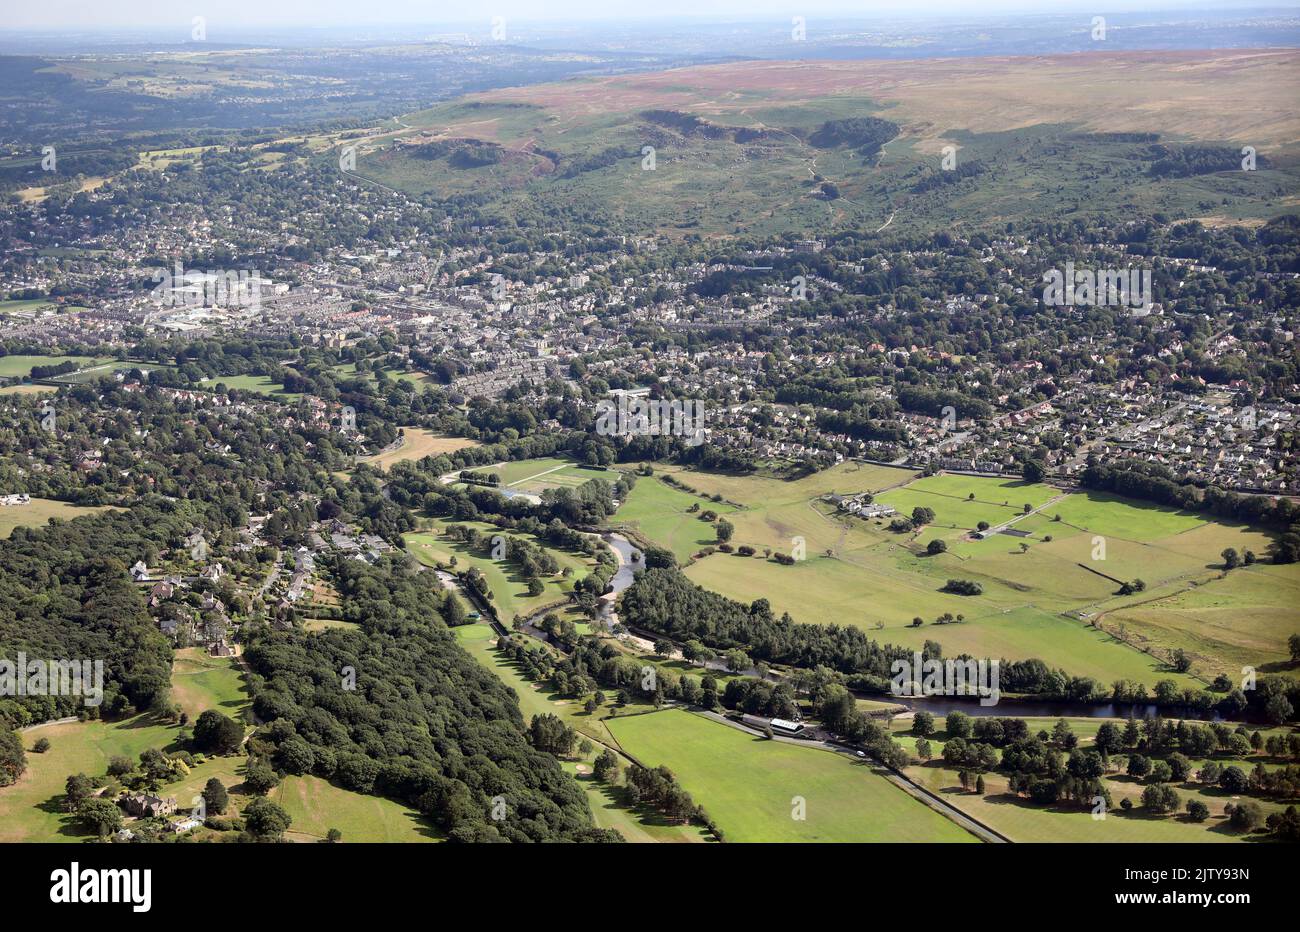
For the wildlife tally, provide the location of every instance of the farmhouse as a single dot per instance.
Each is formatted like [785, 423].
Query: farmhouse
[145, 806]
[876, 511]
[862, 504]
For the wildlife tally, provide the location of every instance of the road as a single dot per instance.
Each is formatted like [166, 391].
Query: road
[1020, 517]
[272, 576]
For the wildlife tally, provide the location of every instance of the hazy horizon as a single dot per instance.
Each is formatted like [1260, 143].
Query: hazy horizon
[233, 16]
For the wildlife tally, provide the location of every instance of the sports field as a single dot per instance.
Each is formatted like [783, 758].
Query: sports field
[258, 384]
[536, 475]
[21, 366]
[750, 786]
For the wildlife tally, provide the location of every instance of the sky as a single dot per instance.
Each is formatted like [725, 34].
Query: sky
[79, 15]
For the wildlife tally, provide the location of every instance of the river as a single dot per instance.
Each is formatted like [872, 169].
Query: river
[630, 559]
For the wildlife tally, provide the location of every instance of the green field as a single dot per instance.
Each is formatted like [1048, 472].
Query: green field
[20, 367]
[659, 512]
[1024, 821]
[609, 805]
[506, 582]
[1241, 620]
[316, 806]
[519, 470]
[1045, 595]
[38, 512]
[201, 682]
[31, 809]
[259, 384]
[748, 785]
[26, 304]
[568, 476]
[1110, 515]
[996, 500]
[536, 475]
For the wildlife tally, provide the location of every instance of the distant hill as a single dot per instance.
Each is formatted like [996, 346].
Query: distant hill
[760, 146]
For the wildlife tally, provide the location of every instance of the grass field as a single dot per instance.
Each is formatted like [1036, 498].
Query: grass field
[316, 625]
[1110, 515]
[569, 475]
[996, 500]
[201, 682]
[505, 581]
[748, 785]
[520, 470]
[417, 443]
[31, 809]
[609, 805]
[25, 304]
[259, 384]
[659, 511]
[38, 512]
[1025, 821]
[1241, 620]
[316, 806]
[20, 367]
[536, 475]
[1044, 595]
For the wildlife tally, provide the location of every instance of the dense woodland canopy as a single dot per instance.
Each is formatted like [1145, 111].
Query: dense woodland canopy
[427, 722]
[65, 594]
